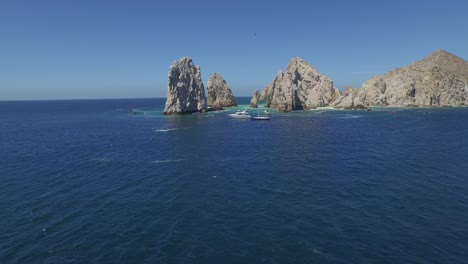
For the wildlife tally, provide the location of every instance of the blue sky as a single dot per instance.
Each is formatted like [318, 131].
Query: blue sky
[67, 49]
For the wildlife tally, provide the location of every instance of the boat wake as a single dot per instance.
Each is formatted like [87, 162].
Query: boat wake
[166, 161]
[166, 129]
[349, 116]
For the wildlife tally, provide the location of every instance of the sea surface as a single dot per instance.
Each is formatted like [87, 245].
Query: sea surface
[91, 181]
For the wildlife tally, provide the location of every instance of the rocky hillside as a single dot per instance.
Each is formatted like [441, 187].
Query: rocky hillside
[219, 93]
[440, 79]
[300, 87]
[185, 92]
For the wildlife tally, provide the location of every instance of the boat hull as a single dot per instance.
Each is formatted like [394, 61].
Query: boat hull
[236, 116]
[260, 118]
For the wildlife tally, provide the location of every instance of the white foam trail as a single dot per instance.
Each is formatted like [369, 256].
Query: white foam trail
[166, 161]
[166, 129]
[349, 116]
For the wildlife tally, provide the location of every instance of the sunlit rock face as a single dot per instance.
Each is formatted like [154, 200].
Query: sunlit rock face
[185, 92]
[219, 93]
[300, 87]
[440, 79]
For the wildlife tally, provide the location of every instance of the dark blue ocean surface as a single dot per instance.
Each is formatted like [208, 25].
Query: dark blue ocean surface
[88, 182]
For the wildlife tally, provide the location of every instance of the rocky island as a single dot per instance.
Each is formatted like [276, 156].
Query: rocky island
[185, 92]
[300, 87]
[219, 93]
[440, 79]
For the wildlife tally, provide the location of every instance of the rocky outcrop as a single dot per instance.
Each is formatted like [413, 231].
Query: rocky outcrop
[185, 92]
[300, 87]
[219, 93]
[351, 99]
[255, 99]
[440, 79]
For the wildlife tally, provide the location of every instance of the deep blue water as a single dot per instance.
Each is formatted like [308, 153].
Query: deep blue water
[87, 182]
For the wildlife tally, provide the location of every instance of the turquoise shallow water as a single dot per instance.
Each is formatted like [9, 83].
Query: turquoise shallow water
[89, 182]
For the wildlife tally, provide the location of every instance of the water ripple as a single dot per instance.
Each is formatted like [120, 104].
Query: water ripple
[99, 185]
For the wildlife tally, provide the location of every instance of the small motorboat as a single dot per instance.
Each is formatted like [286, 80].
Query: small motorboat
[240, 114]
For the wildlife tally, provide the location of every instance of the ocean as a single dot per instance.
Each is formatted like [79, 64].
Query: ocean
[90, 181]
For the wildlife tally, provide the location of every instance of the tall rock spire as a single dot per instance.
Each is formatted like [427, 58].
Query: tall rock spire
[185, 92]
[219, 93]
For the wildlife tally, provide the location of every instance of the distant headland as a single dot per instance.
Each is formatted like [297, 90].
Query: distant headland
[440, 79]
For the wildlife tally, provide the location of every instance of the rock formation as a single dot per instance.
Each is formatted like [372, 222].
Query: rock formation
[300, 87]
[255, 99]
[185, 93]
[219, 93]
[440, 79]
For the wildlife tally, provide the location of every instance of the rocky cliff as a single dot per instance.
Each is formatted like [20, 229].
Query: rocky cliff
[440, 79]
[255, 99]
[219, 93]
[300, 87]
[185, 92]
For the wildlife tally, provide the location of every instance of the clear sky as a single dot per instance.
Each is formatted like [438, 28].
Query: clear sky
[66, 49]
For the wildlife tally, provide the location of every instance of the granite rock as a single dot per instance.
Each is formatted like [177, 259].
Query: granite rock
[185, 93]
[300, 87]
[219, 93]
[440, 79]
[255, 99]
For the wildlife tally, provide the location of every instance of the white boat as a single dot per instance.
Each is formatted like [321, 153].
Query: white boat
[260, 117]
[240, 114]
